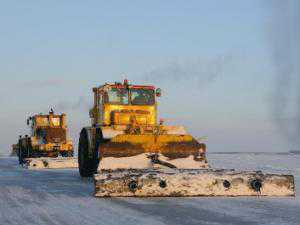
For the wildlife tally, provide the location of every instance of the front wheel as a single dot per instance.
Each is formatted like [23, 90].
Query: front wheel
[20, 155]
[23, 152]
[87, 161]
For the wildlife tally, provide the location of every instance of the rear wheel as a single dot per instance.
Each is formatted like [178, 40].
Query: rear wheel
[20, 155]
[23, 151]
[87, 157]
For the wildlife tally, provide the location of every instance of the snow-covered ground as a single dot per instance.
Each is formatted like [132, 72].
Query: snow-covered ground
[62, 197]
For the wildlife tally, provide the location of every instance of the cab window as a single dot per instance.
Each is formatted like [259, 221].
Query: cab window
[142, 97]
[117, 96]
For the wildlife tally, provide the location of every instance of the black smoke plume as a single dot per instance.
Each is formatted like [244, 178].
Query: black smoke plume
[284, 39]
[81, 104]
[199, 72]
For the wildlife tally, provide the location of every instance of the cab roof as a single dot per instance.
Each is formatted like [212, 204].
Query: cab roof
[125, 84]
[51, 112]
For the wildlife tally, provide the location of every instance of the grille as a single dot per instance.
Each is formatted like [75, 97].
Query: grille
[55, 135]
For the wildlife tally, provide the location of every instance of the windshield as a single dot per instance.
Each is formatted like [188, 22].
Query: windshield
[142, 97]
[117, 96]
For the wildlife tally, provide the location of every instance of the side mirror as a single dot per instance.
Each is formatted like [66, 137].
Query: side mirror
[27, 122]
[158, 92]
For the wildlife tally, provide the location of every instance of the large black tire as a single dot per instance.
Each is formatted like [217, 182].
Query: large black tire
[87, 156]
[23, 151]
[98, 141]
[20, 154]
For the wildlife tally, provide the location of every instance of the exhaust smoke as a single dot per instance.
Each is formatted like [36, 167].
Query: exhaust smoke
[284, 36]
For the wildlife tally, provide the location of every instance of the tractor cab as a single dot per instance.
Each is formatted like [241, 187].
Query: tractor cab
[120, 104]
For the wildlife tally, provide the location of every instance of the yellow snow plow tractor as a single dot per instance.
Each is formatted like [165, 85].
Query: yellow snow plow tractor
[129, 153]
[48, 146]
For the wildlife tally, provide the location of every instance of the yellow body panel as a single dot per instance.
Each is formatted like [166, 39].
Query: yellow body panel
[154, 143]
[123, 114]
[150, 138]
[52, 146]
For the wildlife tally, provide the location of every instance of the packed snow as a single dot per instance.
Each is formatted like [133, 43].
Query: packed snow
[62, 197]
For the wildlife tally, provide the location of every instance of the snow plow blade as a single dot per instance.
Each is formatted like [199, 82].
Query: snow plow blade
[129, 151]
[51, 163]
[191, 182]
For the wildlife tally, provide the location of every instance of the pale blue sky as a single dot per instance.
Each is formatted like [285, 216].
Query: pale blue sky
[212, 59]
